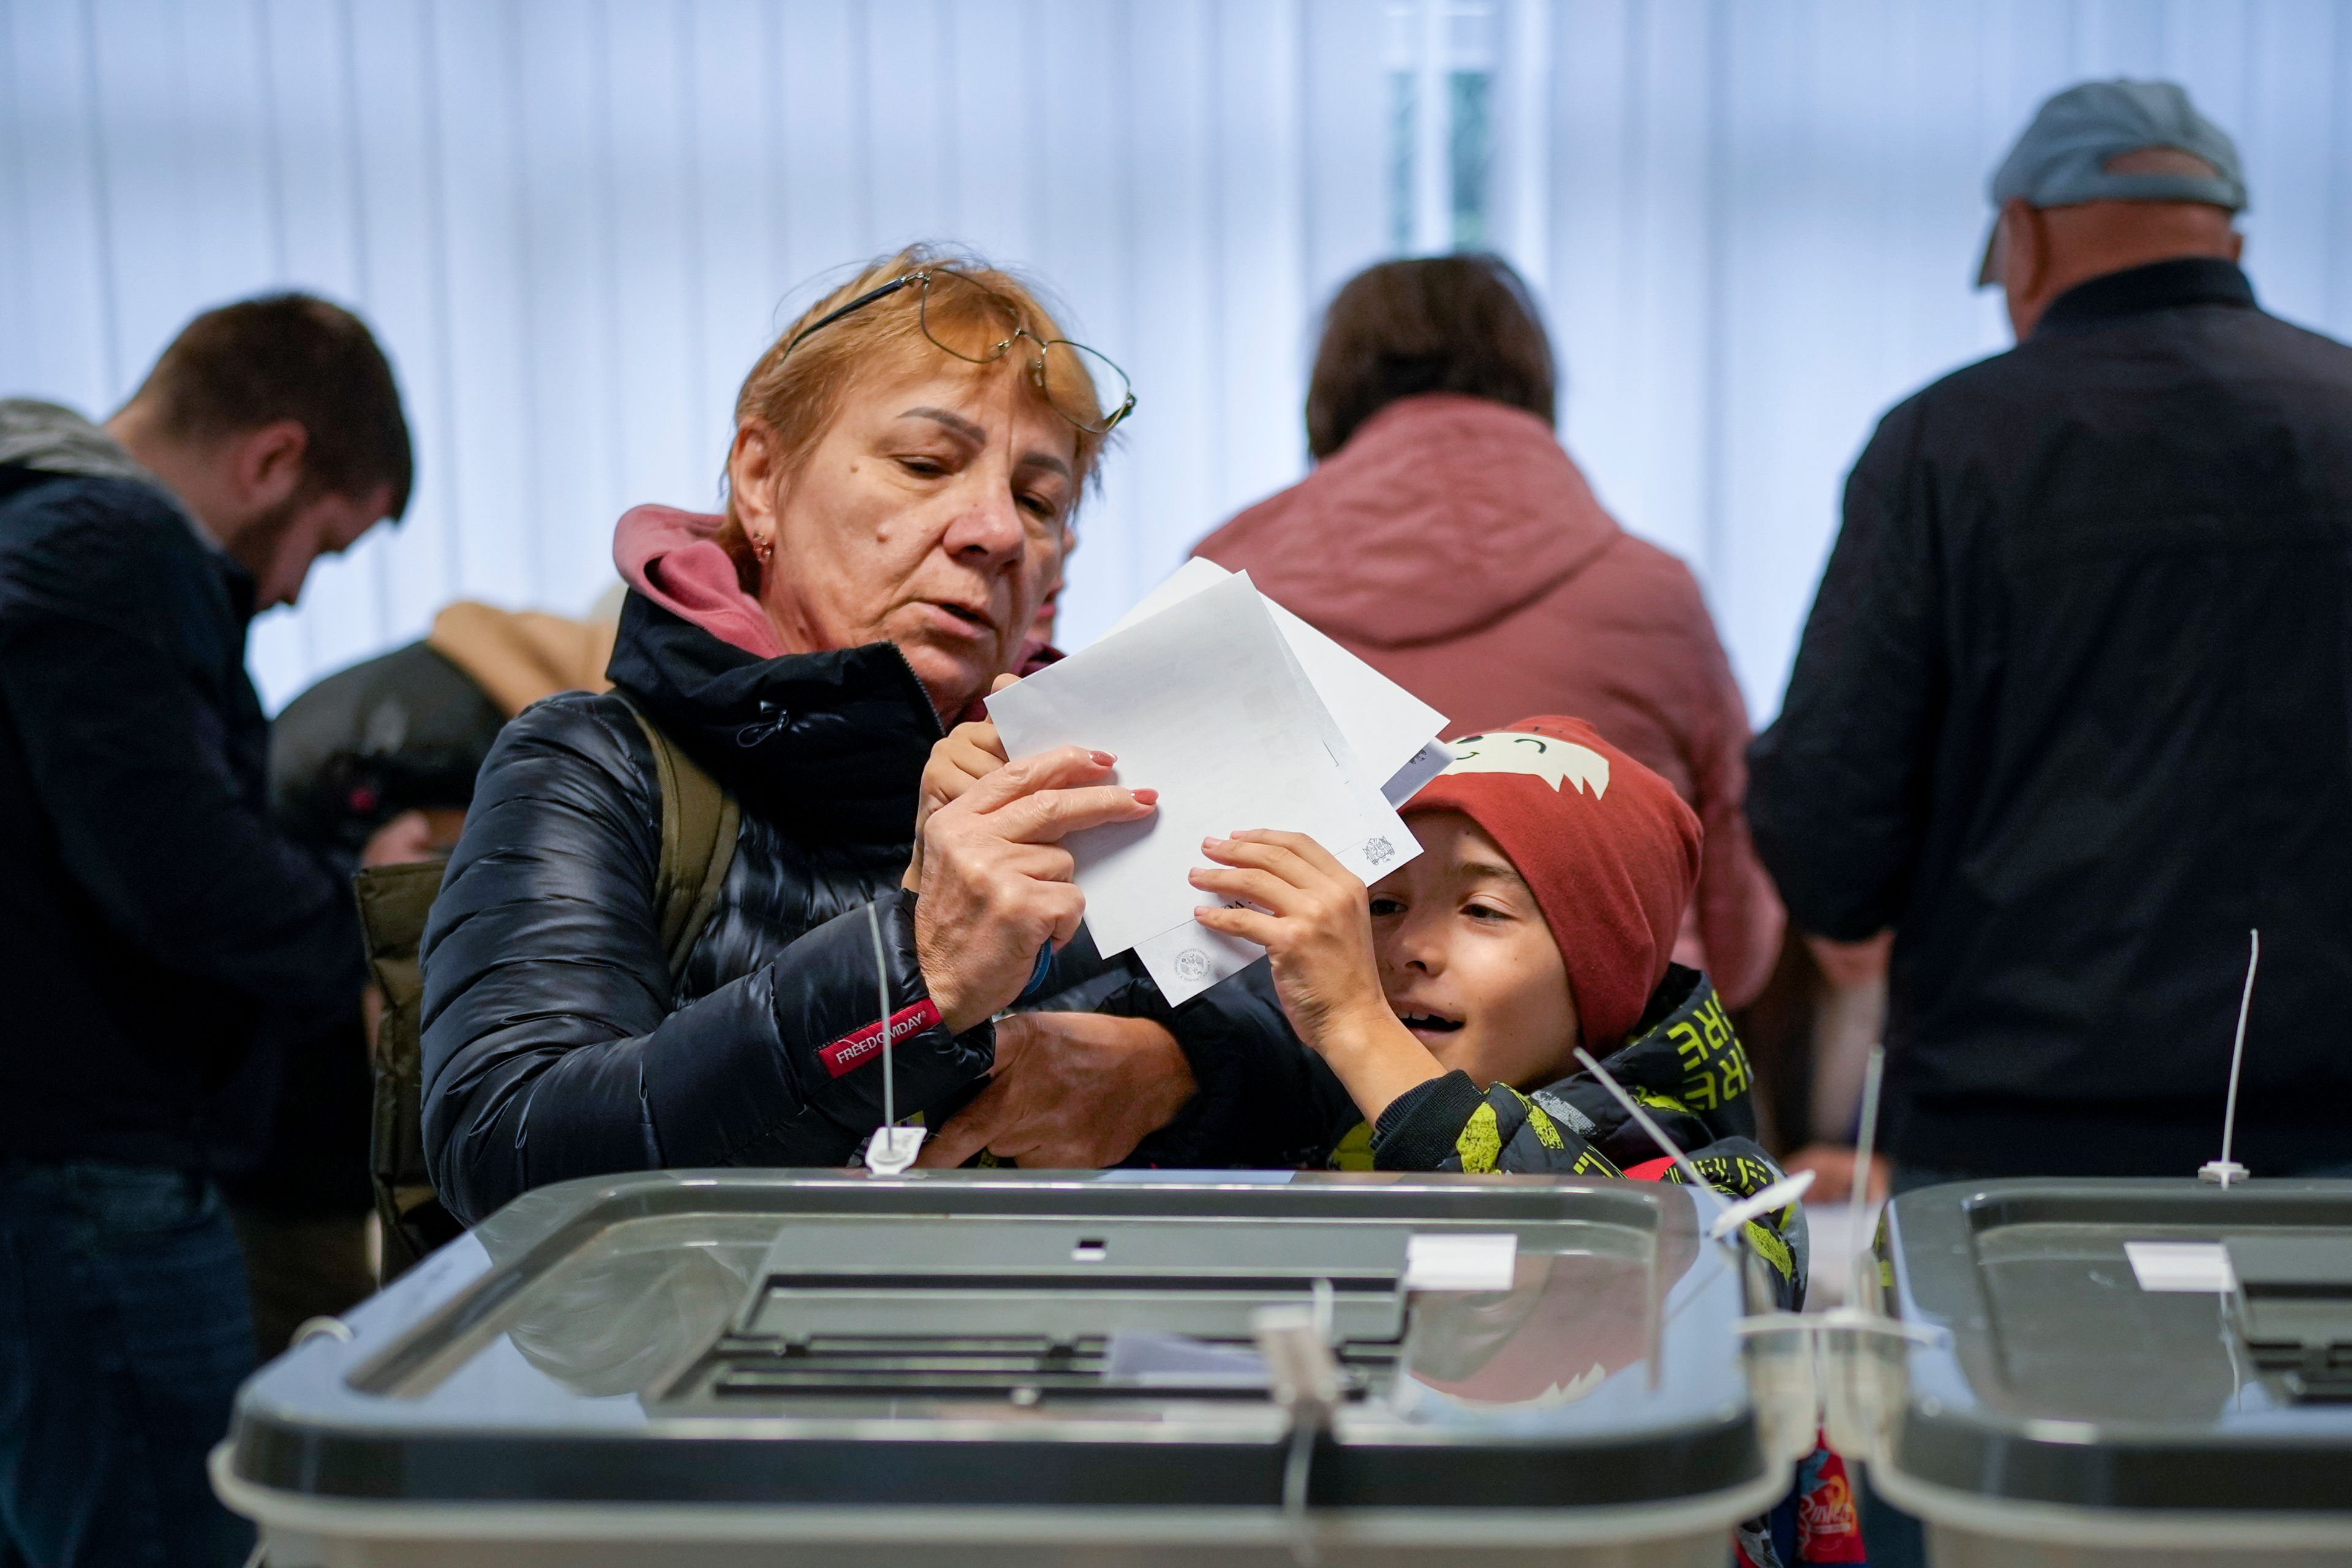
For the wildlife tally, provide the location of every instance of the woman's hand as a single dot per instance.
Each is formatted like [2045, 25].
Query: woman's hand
[967, 754]
[994, 885]
[1313, 920]
[1072, 1091]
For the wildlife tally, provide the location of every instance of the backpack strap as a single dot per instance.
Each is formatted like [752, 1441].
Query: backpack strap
[394, 902]
[698, 823]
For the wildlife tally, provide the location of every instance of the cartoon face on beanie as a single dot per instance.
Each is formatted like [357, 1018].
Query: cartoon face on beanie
[1557, 760]
[1544, 909]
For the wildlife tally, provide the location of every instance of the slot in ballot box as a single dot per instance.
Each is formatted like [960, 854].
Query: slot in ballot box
[990, 1369]
[2146, 1372]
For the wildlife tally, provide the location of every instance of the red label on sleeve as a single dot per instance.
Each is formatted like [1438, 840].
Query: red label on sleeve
[1829, 1528]
[853, 1051]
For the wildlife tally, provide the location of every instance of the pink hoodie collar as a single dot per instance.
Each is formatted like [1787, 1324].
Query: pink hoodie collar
[675, 558]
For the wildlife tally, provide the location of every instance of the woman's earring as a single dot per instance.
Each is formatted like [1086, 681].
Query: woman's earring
[763, 547]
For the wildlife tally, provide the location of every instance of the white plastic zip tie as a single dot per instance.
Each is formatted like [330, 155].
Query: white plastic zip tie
[1865, 1152]
[1303, 1378]
[1851, 1314]
[2224, 1170]
[893, 1148]
[1779, 1195]
[1657, 1134]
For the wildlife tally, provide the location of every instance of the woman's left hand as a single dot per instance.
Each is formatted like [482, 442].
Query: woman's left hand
[965, 755]
[1312, 917]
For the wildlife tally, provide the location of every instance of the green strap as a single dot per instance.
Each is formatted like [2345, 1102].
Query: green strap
[394, 903]
[699, 824]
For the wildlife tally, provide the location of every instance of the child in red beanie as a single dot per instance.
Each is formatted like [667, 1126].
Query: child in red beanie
[1539, 916]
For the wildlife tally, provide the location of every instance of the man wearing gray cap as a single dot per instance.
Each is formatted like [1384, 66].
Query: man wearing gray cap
[2073, 712]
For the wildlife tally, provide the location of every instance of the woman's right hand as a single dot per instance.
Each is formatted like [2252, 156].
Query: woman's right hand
[993, 885]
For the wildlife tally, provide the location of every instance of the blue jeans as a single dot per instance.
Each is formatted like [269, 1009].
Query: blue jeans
[124, 1331]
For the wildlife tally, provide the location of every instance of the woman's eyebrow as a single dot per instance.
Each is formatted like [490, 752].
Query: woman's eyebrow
[977, 435]
[1044, 461]
[955, 422]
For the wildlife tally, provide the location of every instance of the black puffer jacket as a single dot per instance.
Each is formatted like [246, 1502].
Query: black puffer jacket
[555, 1045]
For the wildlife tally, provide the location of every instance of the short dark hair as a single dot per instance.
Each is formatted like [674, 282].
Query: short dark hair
[1438, 323]
[291, 356]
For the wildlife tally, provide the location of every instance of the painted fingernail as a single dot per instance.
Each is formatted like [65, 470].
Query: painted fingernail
[1103, 759]
[1145, 797]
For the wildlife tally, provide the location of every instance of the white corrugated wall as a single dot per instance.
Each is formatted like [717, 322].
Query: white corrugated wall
[575, 223]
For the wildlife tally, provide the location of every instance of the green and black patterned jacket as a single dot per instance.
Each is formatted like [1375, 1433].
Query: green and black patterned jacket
[1685, 1064]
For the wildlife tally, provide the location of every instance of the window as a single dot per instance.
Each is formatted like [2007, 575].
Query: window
[1402, 90]
[1440, 58]
[1469, 144]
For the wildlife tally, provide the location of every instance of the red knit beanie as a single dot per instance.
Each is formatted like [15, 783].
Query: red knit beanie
[1607, 846]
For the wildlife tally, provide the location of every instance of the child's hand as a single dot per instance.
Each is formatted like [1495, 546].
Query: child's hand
[967, 754]
[1315, 922]
[1312, 918]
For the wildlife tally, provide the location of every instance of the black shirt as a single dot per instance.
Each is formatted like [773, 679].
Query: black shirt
[153, 920]
[2072, 714]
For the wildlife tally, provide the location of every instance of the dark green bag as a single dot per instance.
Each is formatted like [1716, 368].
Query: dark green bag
[698, 840]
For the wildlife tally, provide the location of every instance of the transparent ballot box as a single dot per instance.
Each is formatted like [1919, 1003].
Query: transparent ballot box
[992, 1369]
[2097, 1374]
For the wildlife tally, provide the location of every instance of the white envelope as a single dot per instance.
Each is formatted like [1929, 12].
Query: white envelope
[1188, 960]
[1433, 758]
[1205, 703]
[1392, 732]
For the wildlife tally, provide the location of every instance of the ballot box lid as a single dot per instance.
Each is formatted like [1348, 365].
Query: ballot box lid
[2136, 1344]
[968, 1338]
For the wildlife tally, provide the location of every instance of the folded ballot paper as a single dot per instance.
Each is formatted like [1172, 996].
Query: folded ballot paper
[1393, 731]
[1241, 715]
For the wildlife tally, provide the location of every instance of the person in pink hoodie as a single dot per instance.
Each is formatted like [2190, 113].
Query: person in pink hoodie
[1446, 539]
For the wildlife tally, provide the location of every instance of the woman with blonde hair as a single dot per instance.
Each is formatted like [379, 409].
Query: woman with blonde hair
[907, 459]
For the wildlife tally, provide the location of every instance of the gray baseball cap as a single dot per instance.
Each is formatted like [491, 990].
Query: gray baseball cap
[2062, 159]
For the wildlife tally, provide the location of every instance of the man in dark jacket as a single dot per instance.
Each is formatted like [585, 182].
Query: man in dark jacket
[2071, 712]
[156, 921]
